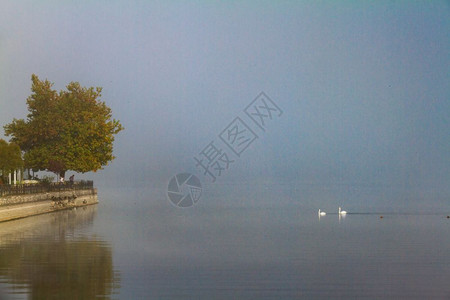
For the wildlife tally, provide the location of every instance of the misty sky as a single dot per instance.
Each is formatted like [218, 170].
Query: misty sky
[364, 86]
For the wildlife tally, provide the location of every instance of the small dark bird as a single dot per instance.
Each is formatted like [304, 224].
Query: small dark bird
[381, 217]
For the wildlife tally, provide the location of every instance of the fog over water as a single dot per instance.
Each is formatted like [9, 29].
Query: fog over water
[357, 116]
[363, 88]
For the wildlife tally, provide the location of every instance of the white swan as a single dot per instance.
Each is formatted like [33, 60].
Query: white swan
[321, 213]
[342, 212]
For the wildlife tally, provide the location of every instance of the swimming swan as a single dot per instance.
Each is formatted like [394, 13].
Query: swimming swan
[342, 212]
[321, 213]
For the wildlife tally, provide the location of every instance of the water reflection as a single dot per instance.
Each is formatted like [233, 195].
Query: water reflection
[52, 257]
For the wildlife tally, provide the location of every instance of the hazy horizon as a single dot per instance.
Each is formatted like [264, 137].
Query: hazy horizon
[363, 86]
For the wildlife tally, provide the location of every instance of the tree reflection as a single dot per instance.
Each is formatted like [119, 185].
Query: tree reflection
[57, 262]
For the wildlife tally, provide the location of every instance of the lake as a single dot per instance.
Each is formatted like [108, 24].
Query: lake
[236, 243]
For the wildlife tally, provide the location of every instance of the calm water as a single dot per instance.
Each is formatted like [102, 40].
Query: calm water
[233, 245]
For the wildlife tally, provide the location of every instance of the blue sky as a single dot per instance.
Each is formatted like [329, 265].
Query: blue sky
[364, 86]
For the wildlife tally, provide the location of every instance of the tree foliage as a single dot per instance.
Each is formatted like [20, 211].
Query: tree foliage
[66, 130]
[10, 157]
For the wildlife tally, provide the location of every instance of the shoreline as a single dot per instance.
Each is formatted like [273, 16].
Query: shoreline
[22, 206]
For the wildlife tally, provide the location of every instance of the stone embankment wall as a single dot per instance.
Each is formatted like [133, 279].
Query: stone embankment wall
[21, 206]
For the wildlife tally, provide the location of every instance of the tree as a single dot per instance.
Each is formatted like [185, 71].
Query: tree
[10, 157]
[66, 130]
